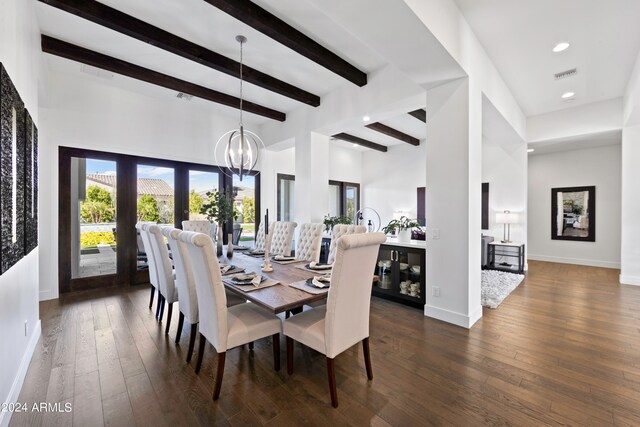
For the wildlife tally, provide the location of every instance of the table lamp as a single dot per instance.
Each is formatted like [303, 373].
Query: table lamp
[506, 218]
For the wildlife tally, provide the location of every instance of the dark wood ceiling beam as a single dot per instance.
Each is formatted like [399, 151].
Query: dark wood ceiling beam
[420, 114]
[360, 141]
[393, 133]
[140, 30]
[274, 27]
[98, 60]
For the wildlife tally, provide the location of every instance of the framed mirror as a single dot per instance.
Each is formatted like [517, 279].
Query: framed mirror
[573, 213]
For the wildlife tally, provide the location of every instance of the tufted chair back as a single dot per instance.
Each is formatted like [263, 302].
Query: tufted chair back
[349, 297]
[212, 300]
[339, 231]
[151, 260]
[260, 244]
[309, 241]
[201, 226]
[163, 264]
[184, 275]
[282, 237]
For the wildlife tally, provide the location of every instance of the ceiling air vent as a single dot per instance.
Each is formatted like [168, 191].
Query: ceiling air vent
[185, 96]
[564, 74]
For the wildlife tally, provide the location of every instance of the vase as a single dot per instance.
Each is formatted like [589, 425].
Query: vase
[219, 242]
[230, 245]
[404, 235]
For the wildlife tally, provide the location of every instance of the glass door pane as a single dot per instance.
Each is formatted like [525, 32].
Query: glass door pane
[202, 185]
[286, 197]
[244, 200]
[93, 217]
[352, 200]
[335, 196]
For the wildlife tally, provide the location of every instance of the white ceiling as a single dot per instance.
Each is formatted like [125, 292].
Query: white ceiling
[519, 36]
[600, 139]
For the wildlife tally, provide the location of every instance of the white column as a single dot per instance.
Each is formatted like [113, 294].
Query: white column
[453, 166]
[630, 225]
[312, 177]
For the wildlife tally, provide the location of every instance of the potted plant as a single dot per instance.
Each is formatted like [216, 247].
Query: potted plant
[402, 227]
[330, 221]
[219, 208]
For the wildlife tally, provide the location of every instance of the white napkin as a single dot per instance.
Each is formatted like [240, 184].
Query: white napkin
[284, 258]
[317, 266]
[256, 281]
[226, 268]
[246, 276]
[321, 281]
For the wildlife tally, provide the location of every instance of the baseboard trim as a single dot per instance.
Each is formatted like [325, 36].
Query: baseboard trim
[577, 261]
[629, 280]
[48, 295]
[18, 381]
[452, 317]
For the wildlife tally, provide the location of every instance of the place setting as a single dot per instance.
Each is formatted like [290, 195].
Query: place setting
[284, 260]
[228, 269]
[314, 285]
[315, 267]
[251, 281]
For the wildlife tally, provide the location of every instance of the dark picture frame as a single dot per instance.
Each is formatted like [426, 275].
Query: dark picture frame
[575, 218]
[31, 184]
[12, 177]
[485, 206]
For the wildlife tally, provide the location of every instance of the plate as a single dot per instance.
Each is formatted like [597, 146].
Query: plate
[246, 281]
[256, 252]
[240, 248]
[309, 283]
[319, 267]
[289, 258]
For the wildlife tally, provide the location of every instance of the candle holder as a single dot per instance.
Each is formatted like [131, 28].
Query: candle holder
[266, 266]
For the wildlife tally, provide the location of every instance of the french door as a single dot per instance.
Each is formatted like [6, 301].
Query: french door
[103, 195]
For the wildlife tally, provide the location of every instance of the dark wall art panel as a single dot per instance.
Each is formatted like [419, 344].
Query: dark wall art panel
[31, 185]
[12, 163]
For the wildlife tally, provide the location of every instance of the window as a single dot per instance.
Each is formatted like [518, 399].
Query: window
[286, 197]
[344, 198]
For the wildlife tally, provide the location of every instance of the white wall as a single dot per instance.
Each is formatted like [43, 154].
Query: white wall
[390, 180]
[19, 53]
[594, 166]
[504, 167]
[91, 113]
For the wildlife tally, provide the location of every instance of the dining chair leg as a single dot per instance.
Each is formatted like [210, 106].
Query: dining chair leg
[331, 372]
[219, 374]
[158, 304]
[276, 351]
[153, 291]
[251, 345]
[169, 313]
[289, 355]
[180, 325]
[203, 341]
[162, 304]
[192, 342]
[367, 358]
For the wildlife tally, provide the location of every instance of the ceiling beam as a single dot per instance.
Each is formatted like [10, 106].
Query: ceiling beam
[393, 133]
[98, 60]
[360, 141]
[274, 27]
[420, 114]
[133, 27]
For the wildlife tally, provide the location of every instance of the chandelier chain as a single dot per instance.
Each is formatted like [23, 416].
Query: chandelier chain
[241, 43]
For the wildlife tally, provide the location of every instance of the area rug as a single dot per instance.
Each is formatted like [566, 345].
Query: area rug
[497, 285]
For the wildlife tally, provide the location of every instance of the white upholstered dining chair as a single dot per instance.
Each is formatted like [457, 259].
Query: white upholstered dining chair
[166, 278]
[309, 242]
[201, 226]
[282, 237]
[337, 232]
[344, 321]
[260, 237]
[225, 328]
[142, 228]
[186, 285]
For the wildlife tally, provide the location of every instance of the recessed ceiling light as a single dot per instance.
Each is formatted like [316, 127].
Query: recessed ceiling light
[568, 95]
[561, 46]
[531, 150]
[366, 118]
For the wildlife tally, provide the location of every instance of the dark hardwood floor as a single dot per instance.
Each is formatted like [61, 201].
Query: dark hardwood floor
[563, 349]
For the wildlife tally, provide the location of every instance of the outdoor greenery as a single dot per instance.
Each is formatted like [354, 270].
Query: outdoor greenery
[195, 202]
[91, 239]
[248, 209]
[330, 221]
[403, 223]
[98, 206]
[148, 209]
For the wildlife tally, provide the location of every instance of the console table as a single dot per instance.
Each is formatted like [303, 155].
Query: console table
[508, 250]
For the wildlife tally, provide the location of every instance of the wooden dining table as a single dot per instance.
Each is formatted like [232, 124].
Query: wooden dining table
[278, 298]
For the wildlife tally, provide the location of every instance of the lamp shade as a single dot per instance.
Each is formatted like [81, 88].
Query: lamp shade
[506, 217]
